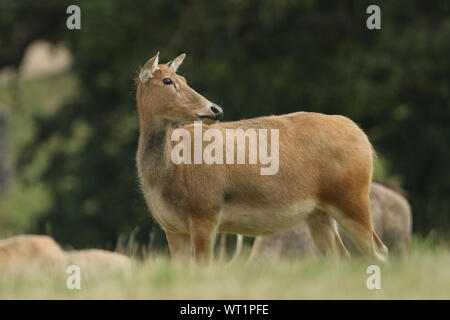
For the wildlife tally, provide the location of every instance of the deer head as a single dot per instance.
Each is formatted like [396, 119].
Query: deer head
[164, 95]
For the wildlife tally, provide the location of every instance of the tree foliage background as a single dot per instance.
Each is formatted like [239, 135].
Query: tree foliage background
[251, 57]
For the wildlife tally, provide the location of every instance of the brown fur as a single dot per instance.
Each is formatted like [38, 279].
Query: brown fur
[391, 218]
[325, 169]
[31, 254]
[94, 261]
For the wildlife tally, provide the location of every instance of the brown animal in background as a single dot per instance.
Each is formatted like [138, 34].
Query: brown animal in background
[31, 254]
[325, 171]
[293, 244]
[391, 217]
[93, 261]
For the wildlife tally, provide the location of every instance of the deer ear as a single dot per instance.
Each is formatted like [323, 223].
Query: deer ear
[175, 63]
[149, 67]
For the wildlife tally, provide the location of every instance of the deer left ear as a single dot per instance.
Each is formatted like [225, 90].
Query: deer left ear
[149, 67]
[175, 63]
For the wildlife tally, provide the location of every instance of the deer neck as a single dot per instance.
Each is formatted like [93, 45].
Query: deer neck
[153, 149]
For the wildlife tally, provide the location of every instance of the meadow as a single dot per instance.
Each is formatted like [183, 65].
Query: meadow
[425, 274]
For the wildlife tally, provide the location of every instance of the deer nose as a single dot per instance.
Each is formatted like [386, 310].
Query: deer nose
[217, 111]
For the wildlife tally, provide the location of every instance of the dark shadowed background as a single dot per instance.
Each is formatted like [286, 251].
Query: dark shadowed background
[68, 138]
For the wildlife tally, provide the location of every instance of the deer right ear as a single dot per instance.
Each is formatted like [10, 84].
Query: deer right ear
[175, 63]
[149, 67]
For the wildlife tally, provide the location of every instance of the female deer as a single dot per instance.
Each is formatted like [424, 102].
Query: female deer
[325, 170]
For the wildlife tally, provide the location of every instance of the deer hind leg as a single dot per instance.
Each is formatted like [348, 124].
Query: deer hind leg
[324, 233]
[179, 245]
[203, 234]
[354, 217]
[222, 247]
[239, 245]
[257, 248]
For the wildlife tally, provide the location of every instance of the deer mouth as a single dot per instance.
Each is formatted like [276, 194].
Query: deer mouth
[206, 117]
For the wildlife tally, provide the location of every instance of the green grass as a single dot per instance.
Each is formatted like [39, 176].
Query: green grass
[424, 275]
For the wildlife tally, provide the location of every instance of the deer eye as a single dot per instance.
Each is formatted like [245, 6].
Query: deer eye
[167, 81]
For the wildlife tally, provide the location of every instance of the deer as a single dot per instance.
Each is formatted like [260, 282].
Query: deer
[31, 254]
[324, 175]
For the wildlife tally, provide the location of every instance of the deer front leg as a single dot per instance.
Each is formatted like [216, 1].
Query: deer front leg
[179, 245]
[203, 234]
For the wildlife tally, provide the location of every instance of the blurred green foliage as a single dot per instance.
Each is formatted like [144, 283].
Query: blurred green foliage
[253, 58]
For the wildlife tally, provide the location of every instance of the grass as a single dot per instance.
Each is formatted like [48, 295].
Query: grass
[424, 275]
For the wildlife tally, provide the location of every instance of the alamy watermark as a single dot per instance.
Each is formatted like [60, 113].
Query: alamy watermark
[74, 280]
[232, 142]
[374, 20]
[374, 280]
[74, 20]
